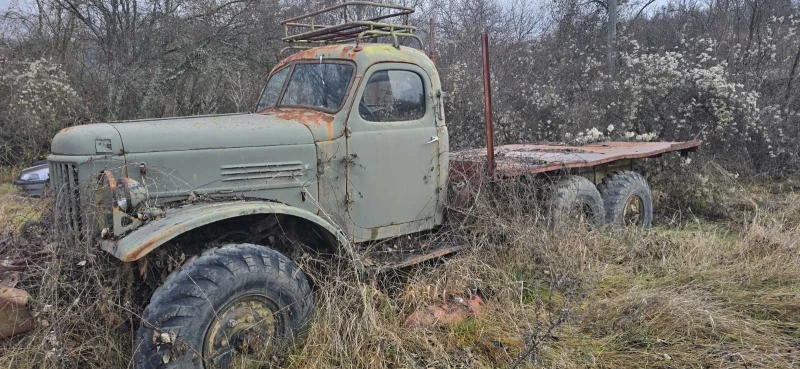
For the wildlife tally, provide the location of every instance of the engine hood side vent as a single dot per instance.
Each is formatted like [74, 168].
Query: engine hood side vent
[266, 171]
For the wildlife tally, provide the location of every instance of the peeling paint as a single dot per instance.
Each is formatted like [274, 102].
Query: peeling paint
[307, 117]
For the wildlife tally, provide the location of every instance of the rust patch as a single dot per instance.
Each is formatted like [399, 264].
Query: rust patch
[307, 117]
[145, 248]
[66, 129]
[446, 313]
[140, 251]
[112, 182]
[327, 52]
[347, 52]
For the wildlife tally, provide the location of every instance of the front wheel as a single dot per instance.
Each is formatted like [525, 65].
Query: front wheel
[239, 304]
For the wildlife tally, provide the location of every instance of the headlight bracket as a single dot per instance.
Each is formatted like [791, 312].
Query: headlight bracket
[122, 222]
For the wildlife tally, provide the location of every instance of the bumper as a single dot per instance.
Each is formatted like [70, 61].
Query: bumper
[30, 188]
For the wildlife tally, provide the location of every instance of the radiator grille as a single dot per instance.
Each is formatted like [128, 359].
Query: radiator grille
[66, 191]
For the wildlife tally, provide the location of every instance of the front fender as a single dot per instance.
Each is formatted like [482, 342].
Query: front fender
[177, 221]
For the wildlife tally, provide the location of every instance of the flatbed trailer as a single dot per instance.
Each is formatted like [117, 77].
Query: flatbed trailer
[525, 159]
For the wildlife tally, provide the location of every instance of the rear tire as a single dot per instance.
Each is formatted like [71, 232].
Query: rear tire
[234, 301]
[627, 199]
[573, 199]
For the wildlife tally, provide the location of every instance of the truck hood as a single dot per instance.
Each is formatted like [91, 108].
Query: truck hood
[180, 134]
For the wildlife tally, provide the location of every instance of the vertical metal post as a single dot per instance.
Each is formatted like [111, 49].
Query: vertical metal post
[432, 41]
[611, 47]
[487, 102]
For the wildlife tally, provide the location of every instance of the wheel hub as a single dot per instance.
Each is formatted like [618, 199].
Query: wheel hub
[242, 332]
[580, 214]
[632, 213]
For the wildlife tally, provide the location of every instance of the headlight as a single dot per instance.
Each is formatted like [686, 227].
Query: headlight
[121, 200]
[130, 194]
[29, 177]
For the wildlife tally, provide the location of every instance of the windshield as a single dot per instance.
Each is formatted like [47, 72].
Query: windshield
[273, 90]
[319, 85]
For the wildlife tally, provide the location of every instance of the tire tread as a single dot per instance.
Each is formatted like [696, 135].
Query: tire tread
[615, 189]
[175, 304]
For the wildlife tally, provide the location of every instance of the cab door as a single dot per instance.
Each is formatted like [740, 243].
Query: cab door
[392, 153]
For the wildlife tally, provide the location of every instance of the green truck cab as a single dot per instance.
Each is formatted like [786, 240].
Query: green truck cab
[348, 146]
[353, 141]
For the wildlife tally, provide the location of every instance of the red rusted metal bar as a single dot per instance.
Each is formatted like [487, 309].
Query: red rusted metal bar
[487, 102]
[432, 41]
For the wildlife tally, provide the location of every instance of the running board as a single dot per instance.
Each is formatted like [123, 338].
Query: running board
[380, 263]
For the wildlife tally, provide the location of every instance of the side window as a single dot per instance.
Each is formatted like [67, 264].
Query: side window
[393, 96]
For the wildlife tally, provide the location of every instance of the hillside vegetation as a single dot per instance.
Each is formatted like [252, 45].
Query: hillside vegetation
[721, 71]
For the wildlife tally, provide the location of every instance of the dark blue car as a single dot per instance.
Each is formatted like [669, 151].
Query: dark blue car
[32, 181]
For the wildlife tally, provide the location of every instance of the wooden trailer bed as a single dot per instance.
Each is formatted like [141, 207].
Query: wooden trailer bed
[516, 160]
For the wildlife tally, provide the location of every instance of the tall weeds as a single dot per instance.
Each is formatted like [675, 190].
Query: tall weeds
[688, 293]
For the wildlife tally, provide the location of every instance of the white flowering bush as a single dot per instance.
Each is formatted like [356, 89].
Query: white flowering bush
[657, 95]
[670, 96]
[37, 102]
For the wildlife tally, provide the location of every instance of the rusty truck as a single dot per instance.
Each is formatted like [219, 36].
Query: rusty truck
[348, 145]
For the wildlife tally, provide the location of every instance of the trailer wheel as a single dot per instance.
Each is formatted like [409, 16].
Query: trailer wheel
[627, 199]
[574, 200]
[238, 303]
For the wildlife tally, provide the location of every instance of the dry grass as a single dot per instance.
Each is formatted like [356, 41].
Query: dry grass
[694, 293]
[16, 209]
[688, 293]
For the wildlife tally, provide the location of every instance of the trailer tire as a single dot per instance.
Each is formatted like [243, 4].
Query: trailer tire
[240, 299]
[574, 198]
[627, 199]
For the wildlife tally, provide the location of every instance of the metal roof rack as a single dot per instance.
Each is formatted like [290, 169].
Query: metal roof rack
[362, 20]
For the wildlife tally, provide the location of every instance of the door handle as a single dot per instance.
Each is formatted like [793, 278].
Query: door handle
[433, 139]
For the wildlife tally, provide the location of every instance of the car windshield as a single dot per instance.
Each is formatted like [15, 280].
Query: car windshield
[318, 85]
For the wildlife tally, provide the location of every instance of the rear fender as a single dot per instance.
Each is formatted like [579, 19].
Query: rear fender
[147, 237]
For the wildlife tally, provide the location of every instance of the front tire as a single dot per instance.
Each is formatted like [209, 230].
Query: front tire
[238, 303]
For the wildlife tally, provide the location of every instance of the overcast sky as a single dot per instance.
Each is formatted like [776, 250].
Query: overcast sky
[5, 4]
